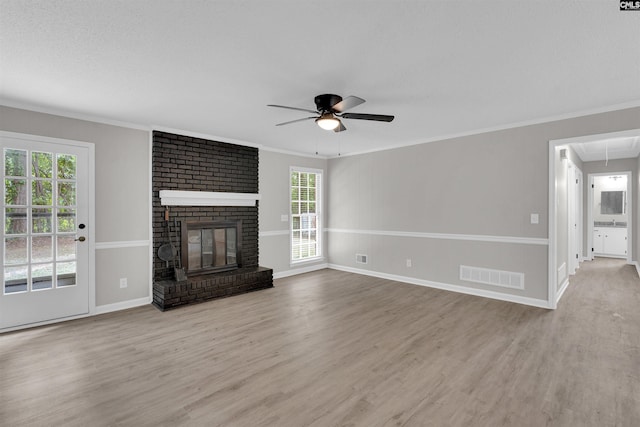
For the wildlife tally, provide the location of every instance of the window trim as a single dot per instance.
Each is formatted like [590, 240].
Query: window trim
[319, 218]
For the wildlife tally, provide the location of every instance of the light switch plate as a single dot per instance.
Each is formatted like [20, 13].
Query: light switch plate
[284, 218]
[535, 218]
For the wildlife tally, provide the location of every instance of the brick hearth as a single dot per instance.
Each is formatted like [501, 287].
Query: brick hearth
[169, 294]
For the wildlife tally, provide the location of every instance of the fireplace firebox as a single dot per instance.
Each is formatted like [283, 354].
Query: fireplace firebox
[211, 246]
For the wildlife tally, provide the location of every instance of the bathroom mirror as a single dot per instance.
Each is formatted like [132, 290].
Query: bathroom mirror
[612, 202]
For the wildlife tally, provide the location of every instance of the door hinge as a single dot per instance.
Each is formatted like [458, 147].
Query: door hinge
[592, 186]
[576, 256]
[591, 249]
[576, 181]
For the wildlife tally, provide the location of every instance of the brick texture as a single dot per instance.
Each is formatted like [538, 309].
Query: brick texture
[195, 164]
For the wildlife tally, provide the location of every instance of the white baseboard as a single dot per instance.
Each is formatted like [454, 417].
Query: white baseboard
[108, 308]
[301, 270]
[637, 267]
[563, 288]
[447, 287]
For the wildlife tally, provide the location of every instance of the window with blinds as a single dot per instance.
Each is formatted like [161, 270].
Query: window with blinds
[305, 214]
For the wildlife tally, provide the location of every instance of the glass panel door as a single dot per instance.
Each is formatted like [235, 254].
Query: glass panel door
[45, 189]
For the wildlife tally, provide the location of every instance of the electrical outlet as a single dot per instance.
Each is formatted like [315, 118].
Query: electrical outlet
[123, 282]
[284, 218]
[408, 262]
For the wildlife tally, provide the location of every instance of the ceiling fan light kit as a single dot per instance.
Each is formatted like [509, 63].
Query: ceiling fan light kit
[327, 121]
[331, 108]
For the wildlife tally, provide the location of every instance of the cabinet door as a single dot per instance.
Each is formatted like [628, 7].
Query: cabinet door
[598, 241]
[615, 241]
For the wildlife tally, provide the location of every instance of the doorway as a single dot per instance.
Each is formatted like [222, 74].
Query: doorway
[599, 147]
[46, 252]
[609, 213]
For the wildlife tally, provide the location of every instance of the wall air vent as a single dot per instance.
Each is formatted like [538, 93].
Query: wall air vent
[506, 279]
[361, 259]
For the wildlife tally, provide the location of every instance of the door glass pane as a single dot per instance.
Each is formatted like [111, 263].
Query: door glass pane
[66, 248]
[66, 220]
[15, 250]
[207, 248]
[221, 256]
[15, 221]
[66, 166]
[41, 220]
[15, 162]
[41, 275]
[41, 248]
[231, 246]
[66, 274]
[195, 248]
[41, 193]
[15, 192]
[15, 279]
[41, 165]
[66, 193]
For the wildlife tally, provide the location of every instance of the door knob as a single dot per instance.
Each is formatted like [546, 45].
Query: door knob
[81, 239]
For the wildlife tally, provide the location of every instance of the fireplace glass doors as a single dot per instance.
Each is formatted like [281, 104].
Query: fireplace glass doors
[211, 246]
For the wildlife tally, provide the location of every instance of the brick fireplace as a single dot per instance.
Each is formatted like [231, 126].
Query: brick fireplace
[219, 267]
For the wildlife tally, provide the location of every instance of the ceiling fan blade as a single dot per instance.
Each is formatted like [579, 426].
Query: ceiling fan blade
[347, 103]
[294, 121]
[293, 108]
[340, 128]
[374, 117]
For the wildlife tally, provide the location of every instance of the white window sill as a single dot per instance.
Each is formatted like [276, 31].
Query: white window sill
[307, 261]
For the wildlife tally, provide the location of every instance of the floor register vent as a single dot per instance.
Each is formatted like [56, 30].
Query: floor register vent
[506, 279]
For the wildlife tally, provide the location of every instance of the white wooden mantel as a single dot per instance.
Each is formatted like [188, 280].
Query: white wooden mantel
[206, 198]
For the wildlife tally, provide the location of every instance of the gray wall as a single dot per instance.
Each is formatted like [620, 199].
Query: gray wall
[485, 184]
[274, 191]
[122, 195]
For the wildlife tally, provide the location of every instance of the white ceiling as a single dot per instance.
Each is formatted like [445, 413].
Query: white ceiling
[442, 67]
[613, 148]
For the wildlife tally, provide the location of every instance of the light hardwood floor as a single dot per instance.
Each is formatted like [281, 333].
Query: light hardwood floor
[331, 348]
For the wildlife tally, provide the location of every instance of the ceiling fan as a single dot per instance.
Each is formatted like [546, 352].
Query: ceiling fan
[331, 108]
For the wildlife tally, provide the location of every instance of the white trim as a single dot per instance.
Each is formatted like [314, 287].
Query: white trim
[123, 305]
[563, 288]
[46, 322]
[274, 233]
[562, 272]
[552, 262]
[204, 136]
[637, 265]
[447, 287]
[150, 213]
[206, 198]
[150, 128]
[71, 115]
[123, 244]
[293, 153]
[301, 270]
[446, 236]
[92, 229]
[541, 120]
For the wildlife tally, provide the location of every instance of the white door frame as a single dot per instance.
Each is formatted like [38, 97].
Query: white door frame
[91, 215]
[574, 216]
[629, 207]
[554, 144]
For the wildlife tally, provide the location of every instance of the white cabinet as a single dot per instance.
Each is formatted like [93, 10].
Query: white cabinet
[598, 241]
[610, 241]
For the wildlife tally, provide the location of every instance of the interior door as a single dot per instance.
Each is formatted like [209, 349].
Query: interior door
[45, 252]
